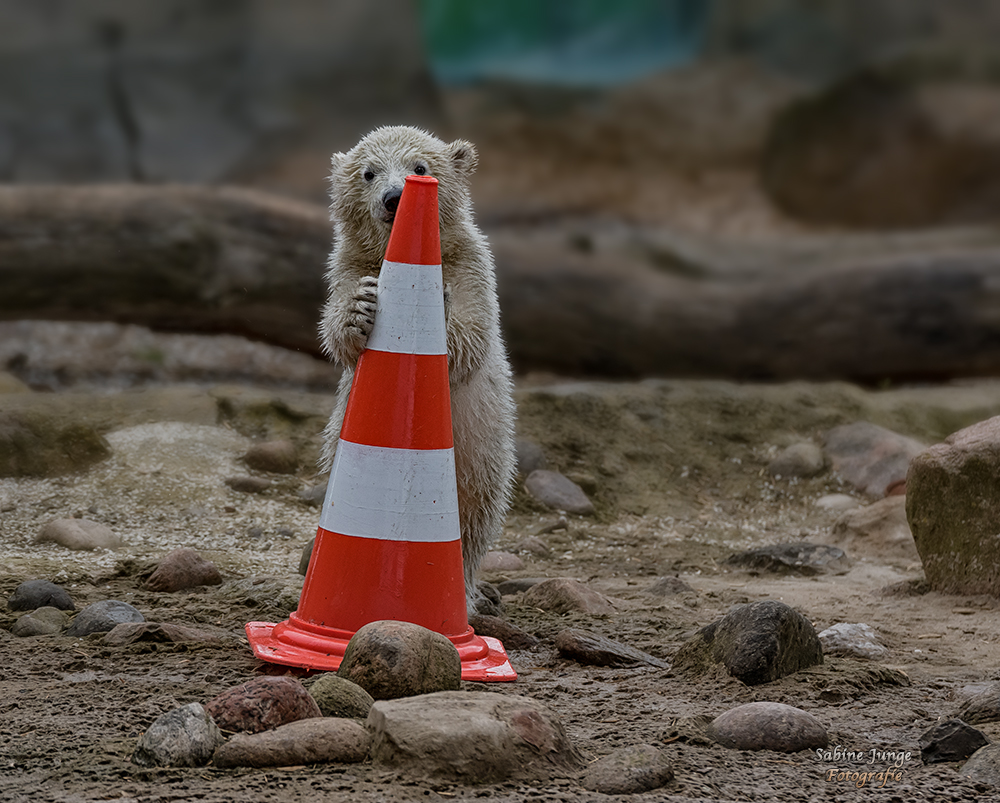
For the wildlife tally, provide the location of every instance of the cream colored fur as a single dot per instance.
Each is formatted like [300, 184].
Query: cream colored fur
[481, 403]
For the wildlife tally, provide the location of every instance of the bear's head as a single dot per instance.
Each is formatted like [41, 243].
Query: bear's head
[367, 181]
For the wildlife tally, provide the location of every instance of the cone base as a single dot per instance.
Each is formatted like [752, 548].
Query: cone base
[295, 642]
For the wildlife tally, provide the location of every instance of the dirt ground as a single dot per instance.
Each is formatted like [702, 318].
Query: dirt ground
[677, 473]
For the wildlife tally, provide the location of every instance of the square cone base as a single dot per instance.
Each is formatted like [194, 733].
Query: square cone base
[295, 642]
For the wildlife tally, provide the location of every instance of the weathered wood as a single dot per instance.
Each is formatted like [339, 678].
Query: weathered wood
[178, 258]
[231, 260]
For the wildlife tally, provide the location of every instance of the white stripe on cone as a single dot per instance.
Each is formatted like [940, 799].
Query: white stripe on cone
[409, 315]
[392, 494]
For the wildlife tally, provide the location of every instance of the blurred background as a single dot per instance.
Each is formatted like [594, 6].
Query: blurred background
[716, 153]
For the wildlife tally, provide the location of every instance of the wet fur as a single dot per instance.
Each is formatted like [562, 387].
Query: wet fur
[481, 402]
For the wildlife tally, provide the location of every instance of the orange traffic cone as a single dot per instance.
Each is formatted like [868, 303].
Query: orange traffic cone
[389, 543]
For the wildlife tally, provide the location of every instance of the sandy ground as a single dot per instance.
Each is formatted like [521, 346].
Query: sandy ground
[677, 472]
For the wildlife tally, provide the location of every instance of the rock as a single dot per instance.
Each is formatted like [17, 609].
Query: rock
[34, 443]
[950, 740]
[184, 737]
[100, 617]
[471, 737]
[262, 704]
[159, 632]
[984, 765]
[983, 707]
[883, 148]
[307, 552]
[490, 601]
[757, 643]
[554, 490]
[248, 485]
[41, 622]
[878, 530]
[586, 647]
[391, 659]
[11, 384]
[78, 534]
[798, 460]
[564, 595]
[870, 457]
[501, 562]
[339, 697]
[511, 636]
[798, 558]
[953, 506]
[529, 457]
[852, 641]
[306, 741]
[837, 502]
[281, 593]
[33, 594]
[533, 545]
[180, 569]
[669, 586]
[629, 770]
[518, 584]
[768, 726]
[275, 457]
[314, 495]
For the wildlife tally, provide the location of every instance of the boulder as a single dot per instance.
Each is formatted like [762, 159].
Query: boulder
[798, 558]
[558, 492]
[339, 697]
[756, 643]
[180, 569]
[41, 622]
[768, 726]
[306, 741]
[852, 641]
[950, 740]
[100, 617]
[79, 535]
[33, 594]
[953, 509]
[629, 770]
[565, 595]
[870, 457]
[36, 443]
[878, 530]
[983, 765]
[471, 737]
[183, 737]
[390, 659]
[262, 704]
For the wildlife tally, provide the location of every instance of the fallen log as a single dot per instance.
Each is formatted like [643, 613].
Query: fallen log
[207, 260]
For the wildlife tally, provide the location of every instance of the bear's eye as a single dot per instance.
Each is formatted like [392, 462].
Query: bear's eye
[420, 170]
[369, 174]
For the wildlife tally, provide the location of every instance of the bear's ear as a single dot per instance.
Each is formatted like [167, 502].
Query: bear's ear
[337, 160]
[463, 156]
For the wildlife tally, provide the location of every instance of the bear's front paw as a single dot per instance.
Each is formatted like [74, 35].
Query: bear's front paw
[361, 316]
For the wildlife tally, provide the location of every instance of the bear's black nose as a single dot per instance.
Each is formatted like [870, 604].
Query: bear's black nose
[391, 201]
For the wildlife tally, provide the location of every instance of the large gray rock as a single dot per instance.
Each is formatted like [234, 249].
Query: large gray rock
[768, 726]
[306, 741]
[798, 558]
[870, 457]
[471, 737]
[756, 643]
[100, 617]
[557, 491]
[565, 595]
[391, 659]
[983, 707]
[983, 765]
[33, 594]
[853, 640]
[953, 509]
[34, 443]
[183, 737]
[950, 740]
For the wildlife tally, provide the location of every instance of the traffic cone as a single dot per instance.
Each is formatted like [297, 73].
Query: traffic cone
[389, 541]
